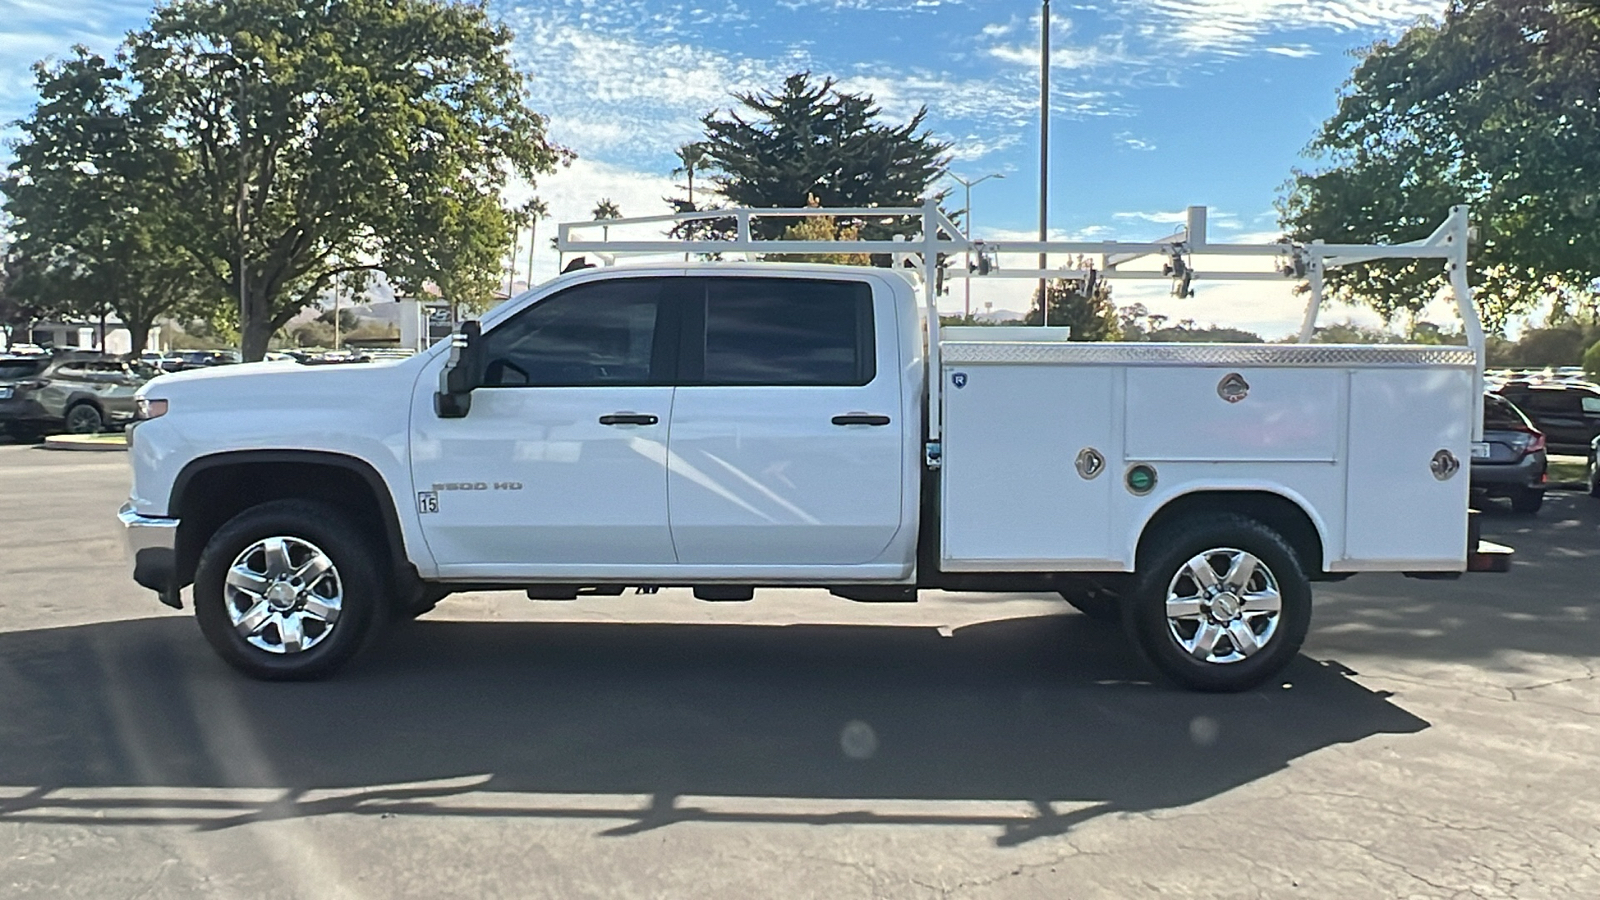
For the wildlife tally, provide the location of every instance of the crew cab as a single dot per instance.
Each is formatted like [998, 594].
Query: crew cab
[732, 426]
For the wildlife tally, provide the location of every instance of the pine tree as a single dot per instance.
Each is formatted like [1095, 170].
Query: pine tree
[809, 139]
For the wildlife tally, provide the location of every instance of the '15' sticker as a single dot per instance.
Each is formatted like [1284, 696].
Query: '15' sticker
[427, 502]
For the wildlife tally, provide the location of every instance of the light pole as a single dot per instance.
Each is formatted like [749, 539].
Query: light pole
[1044, 157]
[967, 213]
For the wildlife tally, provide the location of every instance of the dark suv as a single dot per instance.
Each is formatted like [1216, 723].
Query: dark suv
[1516, 465]
[1568, 414]
[76, 393]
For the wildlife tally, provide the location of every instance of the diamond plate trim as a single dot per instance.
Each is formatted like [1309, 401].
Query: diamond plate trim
[969, 352]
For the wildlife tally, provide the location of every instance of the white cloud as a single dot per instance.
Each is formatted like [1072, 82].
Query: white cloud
[1127, 139]
[1231, 26]
[1151, 38]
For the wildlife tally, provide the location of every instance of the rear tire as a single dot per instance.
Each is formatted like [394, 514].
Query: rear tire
[25, 433]
[289, 590]
[1594, 479]
[1527, 500]
[1231, 629]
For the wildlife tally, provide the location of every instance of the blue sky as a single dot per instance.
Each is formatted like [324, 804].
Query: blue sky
[1158, 104]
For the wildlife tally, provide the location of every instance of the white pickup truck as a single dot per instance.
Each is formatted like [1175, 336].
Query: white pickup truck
[730, 426]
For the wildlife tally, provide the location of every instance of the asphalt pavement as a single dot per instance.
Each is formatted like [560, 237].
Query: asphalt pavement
[1435, 739]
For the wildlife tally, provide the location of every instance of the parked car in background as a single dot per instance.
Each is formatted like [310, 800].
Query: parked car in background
[1516, 465]
[1594, 468]
[75, 393]
[1567, 413]
[18, 378]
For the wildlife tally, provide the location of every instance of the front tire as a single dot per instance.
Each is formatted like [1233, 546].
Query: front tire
[288, 590]
[1221, 603]
[84, 418]
[1594, 479]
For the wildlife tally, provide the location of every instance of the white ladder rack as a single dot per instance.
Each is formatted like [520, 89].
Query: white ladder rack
[1307, 262]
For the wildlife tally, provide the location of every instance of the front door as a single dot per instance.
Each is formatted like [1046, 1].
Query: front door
[560, 466]
[786, 428]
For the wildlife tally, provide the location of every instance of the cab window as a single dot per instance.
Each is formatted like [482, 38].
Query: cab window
[592, 335]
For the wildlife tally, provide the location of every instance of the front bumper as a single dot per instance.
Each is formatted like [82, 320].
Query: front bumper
[152, 547]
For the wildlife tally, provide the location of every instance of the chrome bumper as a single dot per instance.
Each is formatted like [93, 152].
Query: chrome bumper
[152, 548]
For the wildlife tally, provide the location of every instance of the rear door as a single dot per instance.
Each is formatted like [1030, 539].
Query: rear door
[786, 445]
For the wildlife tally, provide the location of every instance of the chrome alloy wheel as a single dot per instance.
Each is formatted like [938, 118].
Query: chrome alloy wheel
[1223, 606]
[283, 595]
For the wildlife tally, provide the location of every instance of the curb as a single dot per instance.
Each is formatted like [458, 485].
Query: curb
[89, 442]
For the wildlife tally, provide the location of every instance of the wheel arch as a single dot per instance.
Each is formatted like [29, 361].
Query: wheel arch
[79, 398]
[1289, 515]
[212, 489]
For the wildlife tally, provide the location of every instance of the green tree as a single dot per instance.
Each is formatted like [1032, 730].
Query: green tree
[1091, 316]
[308, 138]
[822, 228]
[91, 219]
[1209, 334]
[22, 301]
[1495, 106]
[808, 139]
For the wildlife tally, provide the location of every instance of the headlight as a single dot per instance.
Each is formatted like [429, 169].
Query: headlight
[151, 409]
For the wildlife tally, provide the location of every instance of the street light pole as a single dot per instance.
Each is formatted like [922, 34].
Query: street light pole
[967, 213]
[1044, 157]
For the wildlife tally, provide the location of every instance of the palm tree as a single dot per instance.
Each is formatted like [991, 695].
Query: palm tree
[516, 217]
[606, 210]
[693, 157]
[532, 211]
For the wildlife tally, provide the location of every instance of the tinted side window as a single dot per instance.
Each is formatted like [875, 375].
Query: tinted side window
[591, 335]
[1591, 403]
[1551, 401]
[770, 331]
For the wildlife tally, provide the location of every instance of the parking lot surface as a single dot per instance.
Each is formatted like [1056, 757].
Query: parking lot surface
[1435, 739]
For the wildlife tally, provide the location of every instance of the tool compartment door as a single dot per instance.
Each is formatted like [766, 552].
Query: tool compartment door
[1013, 498]
[1400, 514]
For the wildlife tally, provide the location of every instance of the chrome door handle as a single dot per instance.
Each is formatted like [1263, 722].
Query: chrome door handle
[860, 419]
[629, 419]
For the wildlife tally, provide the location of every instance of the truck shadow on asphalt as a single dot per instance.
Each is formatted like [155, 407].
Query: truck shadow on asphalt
[1046, 721]
[1547, 605]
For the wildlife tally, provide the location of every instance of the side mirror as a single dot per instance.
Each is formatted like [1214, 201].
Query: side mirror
[462, 374]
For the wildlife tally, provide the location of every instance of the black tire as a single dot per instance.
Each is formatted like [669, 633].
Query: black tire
[1594, 479]
[1163, 566]
[357, 570]
[1527, 500]
[25, 432]
[84, 418]
[1099, 605]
